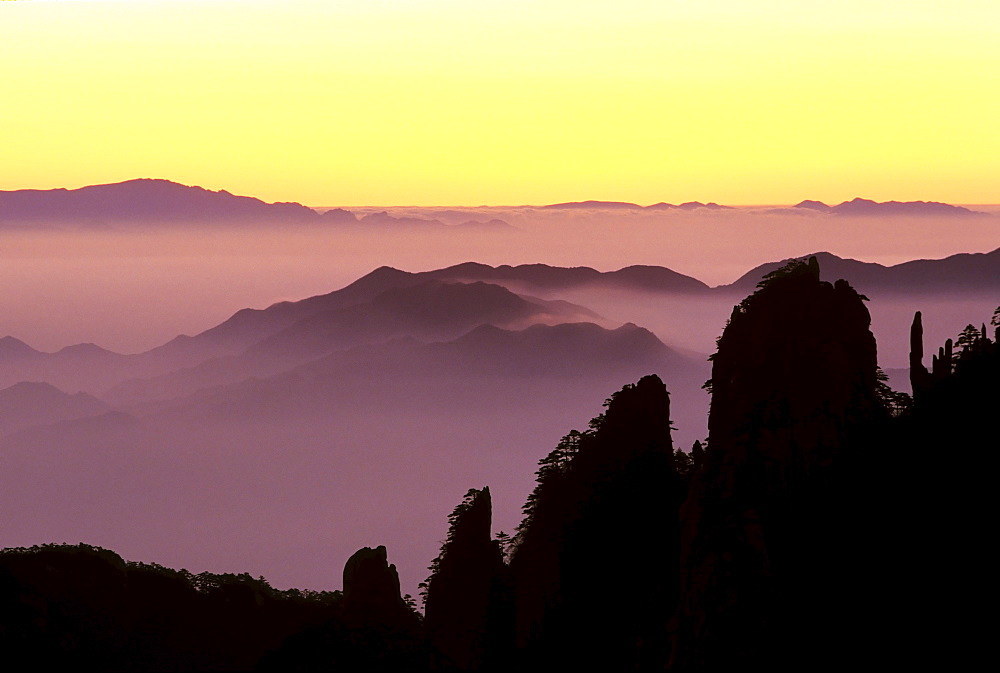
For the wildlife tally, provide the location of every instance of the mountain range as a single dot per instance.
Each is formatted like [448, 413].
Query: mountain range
[224, 438]
[164, 201]
[445, 303]
[865, 207]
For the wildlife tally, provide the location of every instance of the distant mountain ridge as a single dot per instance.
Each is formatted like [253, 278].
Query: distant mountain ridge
[165, 201]
[155, 201]
[146, 199]
[975, 272]
[625, 205]
[865, 207]
[27, 404]
[969, 272]
[543, 276]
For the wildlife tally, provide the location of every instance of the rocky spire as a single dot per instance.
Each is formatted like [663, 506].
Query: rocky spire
[919, 376]
[371, 586]
[595, 563]
[466, 599]
[793, 381]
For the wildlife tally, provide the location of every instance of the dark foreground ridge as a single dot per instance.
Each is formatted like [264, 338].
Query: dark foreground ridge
[828, 521]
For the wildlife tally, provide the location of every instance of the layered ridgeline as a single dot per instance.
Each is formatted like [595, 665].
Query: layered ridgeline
[824, 524]
[163, 201]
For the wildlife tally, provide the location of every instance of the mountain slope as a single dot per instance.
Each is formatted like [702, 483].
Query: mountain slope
[147, 200]
[26, 404]
[867, 208]
[975, 272]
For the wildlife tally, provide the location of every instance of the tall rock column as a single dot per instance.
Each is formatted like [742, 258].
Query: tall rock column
[594, 567]
[793, 381]
[466, 609]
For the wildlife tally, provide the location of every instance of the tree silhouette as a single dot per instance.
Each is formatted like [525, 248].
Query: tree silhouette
[968, 337]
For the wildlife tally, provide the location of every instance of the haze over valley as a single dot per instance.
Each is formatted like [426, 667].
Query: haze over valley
[340, 362]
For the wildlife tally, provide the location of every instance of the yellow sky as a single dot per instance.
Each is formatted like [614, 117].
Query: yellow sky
[431, 102]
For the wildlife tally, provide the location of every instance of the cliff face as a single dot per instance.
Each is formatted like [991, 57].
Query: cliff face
[945, 475]
[466, 617]
[371, 586]
[595, 558]
[793, 383]
[795, 371]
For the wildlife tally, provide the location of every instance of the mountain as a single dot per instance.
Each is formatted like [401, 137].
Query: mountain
[430, 310]
[411, 307]
[27, 404]
[77, 367]
[763, 544]
[147, 200]
[384, 221]
[403, 372]
[827, 521]
[965, 272]
[865, 207]
[690, 205]
[551, 278]
[813, 205]
[12, 349]
[582, 205]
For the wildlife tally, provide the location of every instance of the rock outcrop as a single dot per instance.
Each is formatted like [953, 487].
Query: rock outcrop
[371, 586]
[793, 384]
[595, 558]
[467, 618]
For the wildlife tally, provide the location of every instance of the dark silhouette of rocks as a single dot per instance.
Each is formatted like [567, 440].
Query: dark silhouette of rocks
[371, 586]
[84, 608]
[605, 507]
[819, 527]
[467, 607]
[144, 200]
[793, 384]
[954, 409]
[376, 630]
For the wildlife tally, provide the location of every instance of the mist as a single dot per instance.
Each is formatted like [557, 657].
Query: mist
[270, 461]
[132, 287]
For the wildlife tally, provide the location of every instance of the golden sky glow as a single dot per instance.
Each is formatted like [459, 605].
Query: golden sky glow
[430, 102]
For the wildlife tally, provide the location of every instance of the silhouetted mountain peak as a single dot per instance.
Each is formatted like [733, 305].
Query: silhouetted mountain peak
[15, 348]
[688, 205]
[546, 277]
[861, 207]
[32, 403]
[371, 587]
[144, 200]
[813, 205]
[85, 350]
[339, 215]
[979, 272]
[792, 339]
[655, 278]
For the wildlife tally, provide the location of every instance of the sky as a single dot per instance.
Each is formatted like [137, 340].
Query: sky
[448, 102]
